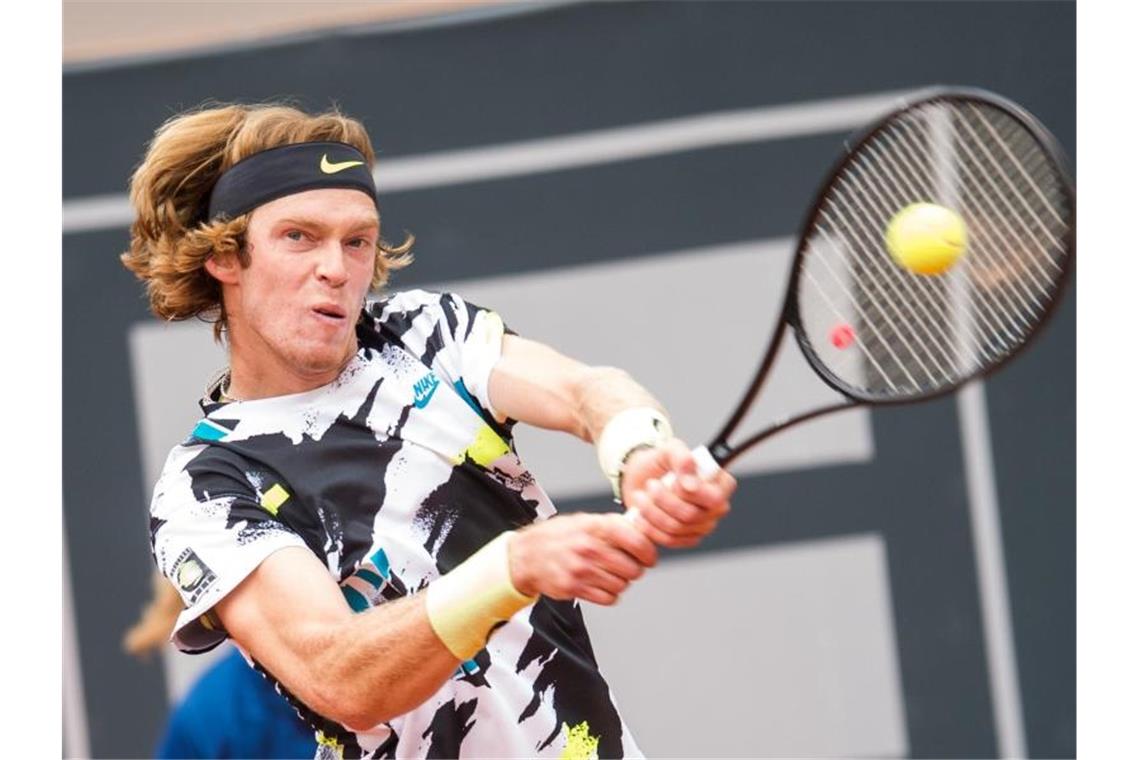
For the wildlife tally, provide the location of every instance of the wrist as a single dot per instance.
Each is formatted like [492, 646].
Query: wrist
[627, 432]
[519, 566]
[466, 603]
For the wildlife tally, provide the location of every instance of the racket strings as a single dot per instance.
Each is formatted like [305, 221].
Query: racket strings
[1004, 307]
[1044, 265]
[913, 333]
[877, 273]
[926, 338]
[1005, 303]
[1000, 227]
[1003, 168]
[1026, 257]
[872, 183]
[862, 346]
[879, 279]
[864, 308]
[993, 315]
[926, 291]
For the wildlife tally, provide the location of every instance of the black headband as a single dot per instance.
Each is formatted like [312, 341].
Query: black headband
[277, 172]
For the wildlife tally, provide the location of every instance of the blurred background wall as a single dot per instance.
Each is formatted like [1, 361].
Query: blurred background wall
[533, 150]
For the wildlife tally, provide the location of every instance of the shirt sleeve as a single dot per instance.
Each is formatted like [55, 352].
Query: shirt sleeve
[210, 528]
[460, 341]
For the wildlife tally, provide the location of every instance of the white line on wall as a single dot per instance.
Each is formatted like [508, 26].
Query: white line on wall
[985, 524]
[76, 742]
[591, 148]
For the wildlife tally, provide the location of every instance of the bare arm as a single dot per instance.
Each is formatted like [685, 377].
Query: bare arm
[357, 669]
[535, 384]
[361, 669]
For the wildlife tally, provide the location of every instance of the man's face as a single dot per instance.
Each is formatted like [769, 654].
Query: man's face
[292, 312]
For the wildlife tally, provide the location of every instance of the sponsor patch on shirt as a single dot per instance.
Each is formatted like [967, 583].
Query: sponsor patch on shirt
[425, 389]
[192, 576]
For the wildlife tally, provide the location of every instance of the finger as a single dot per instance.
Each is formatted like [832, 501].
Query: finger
[670, 541]
[655, 516]
[604, 580]
[678, 519]
[725, 481]
[672, 538]
[646, 463]
[680, 509]
[625, 536]
[679, 457]
[710, 497]
[598, 596]
[615, 561]
[578, 572]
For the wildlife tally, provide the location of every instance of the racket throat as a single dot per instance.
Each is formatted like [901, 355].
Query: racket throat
[720, 451]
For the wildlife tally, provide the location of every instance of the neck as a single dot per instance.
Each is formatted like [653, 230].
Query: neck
[258, 376]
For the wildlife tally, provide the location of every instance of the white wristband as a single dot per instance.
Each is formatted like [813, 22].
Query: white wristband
[466, 603]
[626, 431]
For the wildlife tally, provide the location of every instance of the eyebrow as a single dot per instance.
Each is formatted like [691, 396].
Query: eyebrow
[369, 222]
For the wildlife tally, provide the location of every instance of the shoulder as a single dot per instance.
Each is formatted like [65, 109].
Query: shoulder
[199, 478]
[405, 303]
[422, 312]
[198, 457]
[410, 304]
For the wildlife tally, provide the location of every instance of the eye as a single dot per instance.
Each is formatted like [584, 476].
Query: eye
[361, 242]
[295, 235]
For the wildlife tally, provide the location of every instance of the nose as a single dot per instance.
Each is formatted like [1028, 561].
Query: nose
[330, 265]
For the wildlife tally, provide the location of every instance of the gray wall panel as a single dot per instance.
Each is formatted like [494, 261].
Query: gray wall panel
[103, 496]
[591, 66]
[632, 208]
[913, 494]
[583, 67]
[1035, 401]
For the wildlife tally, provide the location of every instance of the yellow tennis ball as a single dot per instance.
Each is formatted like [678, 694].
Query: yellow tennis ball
[926, 238]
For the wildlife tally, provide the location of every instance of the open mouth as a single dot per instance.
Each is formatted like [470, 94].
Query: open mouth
[330, 312]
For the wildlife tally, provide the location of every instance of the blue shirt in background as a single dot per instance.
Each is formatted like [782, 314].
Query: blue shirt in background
[232, 711]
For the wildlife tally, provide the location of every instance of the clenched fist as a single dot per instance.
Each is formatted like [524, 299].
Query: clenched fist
[580, 556]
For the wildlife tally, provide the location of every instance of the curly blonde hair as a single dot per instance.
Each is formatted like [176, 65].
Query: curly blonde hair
[171, 239]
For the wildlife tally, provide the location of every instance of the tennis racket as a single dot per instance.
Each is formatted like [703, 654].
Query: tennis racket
[879, 332]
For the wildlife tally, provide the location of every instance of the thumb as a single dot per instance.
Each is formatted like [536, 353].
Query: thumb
[679, 458]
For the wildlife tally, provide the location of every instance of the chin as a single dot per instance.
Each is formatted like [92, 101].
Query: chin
[323, 359]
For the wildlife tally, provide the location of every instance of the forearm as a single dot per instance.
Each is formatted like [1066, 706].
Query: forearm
[366, 668]
[535, 384]
[376, 665]
[602, 393]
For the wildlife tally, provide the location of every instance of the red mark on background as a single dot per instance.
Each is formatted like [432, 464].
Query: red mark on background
[842, 335]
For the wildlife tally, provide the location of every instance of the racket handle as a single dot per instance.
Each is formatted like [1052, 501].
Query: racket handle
[706, 465]
[706, 468]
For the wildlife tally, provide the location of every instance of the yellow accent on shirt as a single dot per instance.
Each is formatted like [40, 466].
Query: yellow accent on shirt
[579, 744]
[327, 741]
[486, 448]
[273, 498]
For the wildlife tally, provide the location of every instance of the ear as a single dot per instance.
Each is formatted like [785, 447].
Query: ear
[223, 268]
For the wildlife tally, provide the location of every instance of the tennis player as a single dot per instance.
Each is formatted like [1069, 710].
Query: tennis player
[351, 509]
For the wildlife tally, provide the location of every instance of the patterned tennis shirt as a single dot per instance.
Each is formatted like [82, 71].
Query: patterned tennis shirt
[392, 475]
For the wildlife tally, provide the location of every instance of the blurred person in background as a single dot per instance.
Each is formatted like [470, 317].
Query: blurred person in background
[351, 509]
[230, 711]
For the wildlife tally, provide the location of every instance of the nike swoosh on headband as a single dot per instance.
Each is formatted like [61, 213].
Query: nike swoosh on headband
[287, 169]
[328, 167]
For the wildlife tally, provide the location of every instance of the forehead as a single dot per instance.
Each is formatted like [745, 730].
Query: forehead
[331, 206]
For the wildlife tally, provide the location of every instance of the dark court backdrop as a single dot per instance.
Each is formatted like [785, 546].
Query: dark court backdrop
[504, 78]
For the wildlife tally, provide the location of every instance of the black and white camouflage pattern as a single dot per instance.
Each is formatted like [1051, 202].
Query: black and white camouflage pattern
[391, 475]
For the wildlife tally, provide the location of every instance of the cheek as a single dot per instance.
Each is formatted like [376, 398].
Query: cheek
[363, 271]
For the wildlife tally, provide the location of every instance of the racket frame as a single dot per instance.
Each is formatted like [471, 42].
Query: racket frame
[722, 451]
